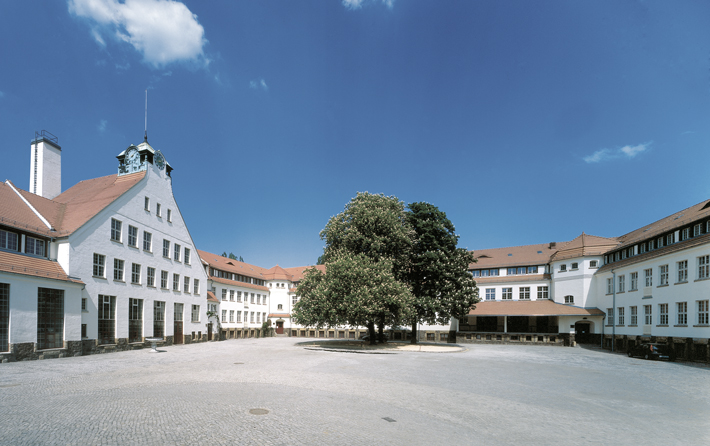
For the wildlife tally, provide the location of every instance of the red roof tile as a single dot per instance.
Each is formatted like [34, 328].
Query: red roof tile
[530, 308]
[33, 266]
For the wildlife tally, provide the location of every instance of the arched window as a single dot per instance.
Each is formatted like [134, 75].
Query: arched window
[281, 307]
[569, 299]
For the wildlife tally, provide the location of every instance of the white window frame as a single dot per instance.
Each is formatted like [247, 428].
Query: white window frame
[135, 273]
[634, 315]
[99, 269]
[662, 314]
[682, 313]
[147, 241]
[119, 270]
[132, 236]
[682, 267]
[116, 230]
[663, 272]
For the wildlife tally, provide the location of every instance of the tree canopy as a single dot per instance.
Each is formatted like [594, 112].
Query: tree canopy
[387, 265]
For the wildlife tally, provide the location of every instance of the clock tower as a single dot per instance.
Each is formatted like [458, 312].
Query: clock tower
[137, 158]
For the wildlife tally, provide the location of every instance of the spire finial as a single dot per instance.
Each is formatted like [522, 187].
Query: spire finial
[145, 137]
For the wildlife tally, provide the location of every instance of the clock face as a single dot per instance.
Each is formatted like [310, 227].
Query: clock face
[132, 157]
[159, 160]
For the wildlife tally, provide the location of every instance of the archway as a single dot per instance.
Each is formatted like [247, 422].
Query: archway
[583, 332]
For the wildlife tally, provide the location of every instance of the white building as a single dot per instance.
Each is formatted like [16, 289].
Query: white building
[122, 239]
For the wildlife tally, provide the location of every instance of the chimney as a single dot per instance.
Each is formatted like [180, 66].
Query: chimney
[553, 245]
[45, 165]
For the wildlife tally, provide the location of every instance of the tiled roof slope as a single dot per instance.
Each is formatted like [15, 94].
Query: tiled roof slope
[238, 283]
[512, 279]
[69, 211]
[211, 297]
[668, 249]
[513, 256]
[277, 273]
[298, 272]
[530, 308]
[699, 211]
[231, 265]
[15, 213]
[33, 266]
[584, 245]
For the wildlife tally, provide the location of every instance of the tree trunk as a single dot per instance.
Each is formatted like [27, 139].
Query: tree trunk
[380, 332]
[371, 332]
[414, 333]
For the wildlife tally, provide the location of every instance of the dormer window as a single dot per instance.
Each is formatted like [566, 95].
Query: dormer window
[8, 240]
[34, 246]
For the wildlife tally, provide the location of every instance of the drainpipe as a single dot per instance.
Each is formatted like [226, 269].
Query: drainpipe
[613, 308]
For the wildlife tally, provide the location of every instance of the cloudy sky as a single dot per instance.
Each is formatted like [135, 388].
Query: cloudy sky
[526, 122]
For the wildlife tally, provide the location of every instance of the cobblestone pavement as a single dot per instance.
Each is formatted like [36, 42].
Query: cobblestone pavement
[484, 395]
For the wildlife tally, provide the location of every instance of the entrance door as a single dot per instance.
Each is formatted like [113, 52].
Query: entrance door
[583, 332]
[279, 327]
[177, 325]
[209, 331]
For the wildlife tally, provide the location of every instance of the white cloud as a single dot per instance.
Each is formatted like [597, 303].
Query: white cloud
[610, 154]
[2, 95]
[357, 4]
[102, 125]
[261, 83]
[124, 66]
[163, 31]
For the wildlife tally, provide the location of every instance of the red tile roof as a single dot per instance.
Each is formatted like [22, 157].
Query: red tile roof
[237, 283]
[17, 214]
[530, 308]
[528, 255]
[231, 265]
[277, 273]
[297, 272]
[281, 315]
[33, 266]
[584, 245]
[211, 297]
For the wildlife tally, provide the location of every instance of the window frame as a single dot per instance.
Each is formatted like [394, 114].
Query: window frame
[116, 230]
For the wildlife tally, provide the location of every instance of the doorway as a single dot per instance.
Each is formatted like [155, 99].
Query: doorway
[279, 327]
[583, 332]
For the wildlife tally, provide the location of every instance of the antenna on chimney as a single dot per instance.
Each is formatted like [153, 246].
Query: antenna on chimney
[145, 137]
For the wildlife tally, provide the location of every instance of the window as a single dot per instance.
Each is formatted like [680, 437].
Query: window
[670, 239]
[490, 294]
[195, 313]
[239, 316]
[252, 298]
[682, 313]
[575, 266]
[634, 315]
[251, 317]
[8, 240]
[224, 294]
[258, 318]
[239, 296]
[50, 318]
[83, 304]
[151, 276]
[648, 316]
[158, 319]
[176, 252]
[231, 295]
[294, 299]
[507, 294]
[147, 241]
[99, 263]
[118, 265]
[115, 230]
[622, 283]
[703, 312]
[512, 271]
[685, 234]
[135, 320]
[649, 277]
[83, 331]
[166, 248]
[157, 210]
[231, 316]
[132, 236]
[663, 272]
[683, 271]
[593, 263]
[532, 269]
[258, 299]
[610, 316]
[176, 282]
[659, 242]
[224, 316]
[187, 256]
[609, 285]
[703, 267]
[196, 287]
[569, 299]
[4, 317]
[642, 248]
[542, 292]
[107, 319]
[136, 273]
[697, 230]
[620, 320]
[280, 307]
[146, 206]
[170, 215]
[164, 279]
[634, 282]
[563, 268]
[524, 293]
[663, 314]
[34, 246]
[186, 285]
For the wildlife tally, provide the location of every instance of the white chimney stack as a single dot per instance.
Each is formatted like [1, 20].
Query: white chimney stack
[45, 165]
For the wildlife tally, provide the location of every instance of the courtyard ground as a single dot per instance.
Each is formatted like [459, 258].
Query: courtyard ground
[275, 391]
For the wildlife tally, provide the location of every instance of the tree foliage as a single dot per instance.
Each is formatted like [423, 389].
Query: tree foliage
[438, 274]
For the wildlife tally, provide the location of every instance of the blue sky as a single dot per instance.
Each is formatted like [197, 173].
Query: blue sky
[526, 122]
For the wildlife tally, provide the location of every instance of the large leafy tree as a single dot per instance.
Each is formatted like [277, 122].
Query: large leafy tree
[438, 270]
[373, 239]
[355, 291]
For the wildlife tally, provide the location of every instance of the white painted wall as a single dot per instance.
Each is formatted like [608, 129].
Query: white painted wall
[49, 169]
